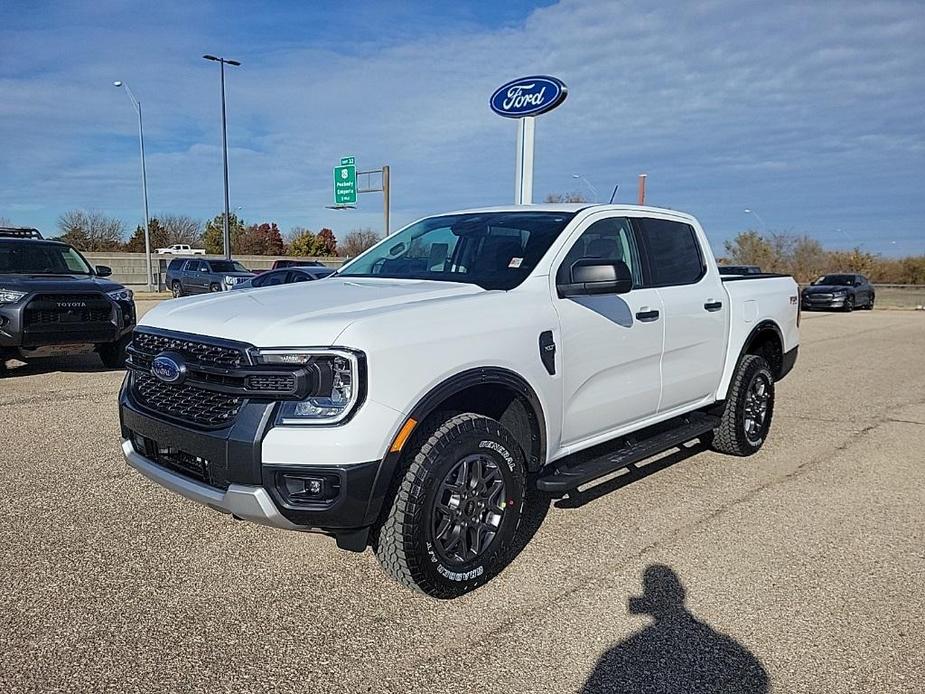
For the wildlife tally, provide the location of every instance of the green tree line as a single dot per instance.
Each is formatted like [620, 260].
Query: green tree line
[93, 231]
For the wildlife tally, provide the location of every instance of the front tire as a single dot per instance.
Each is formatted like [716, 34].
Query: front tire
[112, 354]
[749, 408]
[849, 304]
[455, 515]
[215, 287]
[176, 289]
[870, 304]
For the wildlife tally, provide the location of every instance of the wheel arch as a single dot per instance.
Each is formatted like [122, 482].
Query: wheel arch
[468, 390]
[495, 392]
[766, 340]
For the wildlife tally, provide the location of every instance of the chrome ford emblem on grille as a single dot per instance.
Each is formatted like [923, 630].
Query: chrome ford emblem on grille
[168, 367]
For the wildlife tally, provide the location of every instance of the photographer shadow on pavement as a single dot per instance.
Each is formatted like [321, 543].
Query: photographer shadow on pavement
[677, 652]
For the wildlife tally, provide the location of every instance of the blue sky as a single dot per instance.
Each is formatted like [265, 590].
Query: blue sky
[811, 114]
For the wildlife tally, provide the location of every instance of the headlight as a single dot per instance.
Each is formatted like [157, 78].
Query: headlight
[121, 295]
[840, 292]
[10, 296]
[335, 386]
[230, 281]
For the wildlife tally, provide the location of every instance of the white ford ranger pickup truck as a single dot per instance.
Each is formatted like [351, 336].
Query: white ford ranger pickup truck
[430, 398]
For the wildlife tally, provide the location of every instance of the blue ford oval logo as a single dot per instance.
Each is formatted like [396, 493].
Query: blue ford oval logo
[168, 368]
[528, 96]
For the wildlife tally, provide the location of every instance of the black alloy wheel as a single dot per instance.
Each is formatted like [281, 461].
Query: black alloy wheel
[468, 509]
[454, 520]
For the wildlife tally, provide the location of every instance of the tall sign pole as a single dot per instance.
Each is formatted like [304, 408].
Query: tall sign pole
[523, 163]
[524, 99]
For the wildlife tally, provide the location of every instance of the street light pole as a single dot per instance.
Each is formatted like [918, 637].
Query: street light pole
[227, 233]
[757, 216]
[144, 178]
[584, 180]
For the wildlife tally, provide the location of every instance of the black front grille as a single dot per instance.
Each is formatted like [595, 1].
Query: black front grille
[49, 310]
[92, 315]
[203, 353]
[185, 402]
[275, 382]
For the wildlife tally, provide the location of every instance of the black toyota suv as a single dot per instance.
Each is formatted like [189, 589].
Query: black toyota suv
[52, 302]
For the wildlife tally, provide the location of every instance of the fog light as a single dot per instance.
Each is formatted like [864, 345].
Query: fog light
[309, 488]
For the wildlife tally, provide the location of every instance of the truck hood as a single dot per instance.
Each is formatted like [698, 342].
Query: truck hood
[57, 283]
[306, 314]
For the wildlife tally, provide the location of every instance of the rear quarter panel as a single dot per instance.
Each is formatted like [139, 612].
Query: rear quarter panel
[756, 301]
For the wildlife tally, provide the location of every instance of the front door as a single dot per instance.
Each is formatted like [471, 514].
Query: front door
[611, 343]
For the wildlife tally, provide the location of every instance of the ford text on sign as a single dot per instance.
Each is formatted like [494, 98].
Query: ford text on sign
[528, 96]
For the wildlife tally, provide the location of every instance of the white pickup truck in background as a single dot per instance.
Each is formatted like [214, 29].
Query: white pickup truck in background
[181, 249]
[430, 397]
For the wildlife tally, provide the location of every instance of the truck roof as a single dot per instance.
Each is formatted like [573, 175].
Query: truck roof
[572, 207]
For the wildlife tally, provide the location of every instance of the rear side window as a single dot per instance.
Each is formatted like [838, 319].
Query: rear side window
[672, 251]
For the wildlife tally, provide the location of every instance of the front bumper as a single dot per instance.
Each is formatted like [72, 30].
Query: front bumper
[243, 501]
[233, 477]
[808, 302]
[15, 333]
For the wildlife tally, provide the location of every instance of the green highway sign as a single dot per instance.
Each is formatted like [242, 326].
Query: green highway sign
[345, 182]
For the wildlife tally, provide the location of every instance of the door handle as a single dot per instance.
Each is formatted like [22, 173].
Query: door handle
[647, 316]
[713, 305]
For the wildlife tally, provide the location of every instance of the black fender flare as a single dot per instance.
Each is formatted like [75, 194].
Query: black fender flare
[487, 375]
[761, 327]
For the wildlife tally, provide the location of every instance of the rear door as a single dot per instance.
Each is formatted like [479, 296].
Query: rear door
[611, 344]
[695, 310]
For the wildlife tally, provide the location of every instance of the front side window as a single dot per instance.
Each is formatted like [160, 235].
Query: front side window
[41, 259]
[607, 239]
[673, 252]
[494, 250]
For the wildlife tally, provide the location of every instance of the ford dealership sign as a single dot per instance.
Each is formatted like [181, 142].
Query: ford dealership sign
[528, 96]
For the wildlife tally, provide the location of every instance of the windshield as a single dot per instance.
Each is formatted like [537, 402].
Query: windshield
[494, 250]
[227, 266]
[839, 280]
[41, 258]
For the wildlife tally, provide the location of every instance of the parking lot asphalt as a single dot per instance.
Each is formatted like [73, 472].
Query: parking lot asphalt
[800, 569]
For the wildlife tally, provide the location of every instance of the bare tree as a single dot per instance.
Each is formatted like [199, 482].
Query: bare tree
[565, 197]
[4, 222]
[181, 228]
[357, 241]
[91, 230]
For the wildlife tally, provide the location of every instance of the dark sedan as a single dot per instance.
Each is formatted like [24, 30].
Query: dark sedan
[290, 275]
[844, 292]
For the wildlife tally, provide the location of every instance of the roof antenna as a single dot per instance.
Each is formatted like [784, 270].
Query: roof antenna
[613, 194]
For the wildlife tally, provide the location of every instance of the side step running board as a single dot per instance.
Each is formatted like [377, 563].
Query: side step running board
[574, 471]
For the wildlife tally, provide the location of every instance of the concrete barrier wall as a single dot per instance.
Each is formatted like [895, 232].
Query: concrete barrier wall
[129, 268]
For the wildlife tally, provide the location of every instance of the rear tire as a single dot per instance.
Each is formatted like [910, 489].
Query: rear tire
[176, 289]
[454, 518]
[749, 409]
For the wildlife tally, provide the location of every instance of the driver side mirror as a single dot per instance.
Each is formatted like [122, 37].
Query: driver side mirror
[596, 276]
[103, 271]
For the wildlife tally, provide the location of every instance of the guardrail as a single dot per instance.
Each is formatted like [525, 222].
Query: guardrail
[129, 268]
